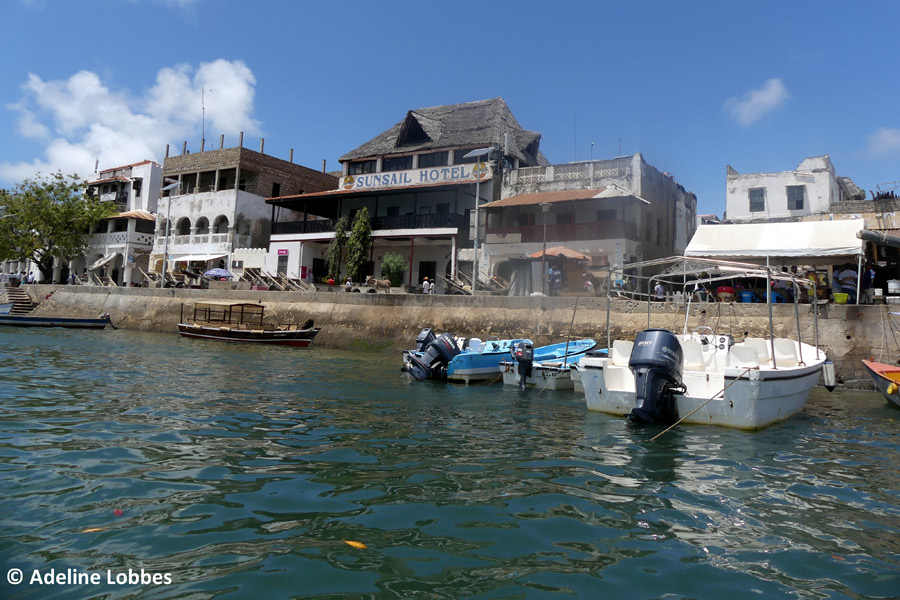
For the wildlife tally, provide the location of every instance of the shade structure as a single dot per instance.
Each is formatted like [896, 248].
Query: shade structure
[102, 262]
[804, 242]
[560, 251]
[198, 257]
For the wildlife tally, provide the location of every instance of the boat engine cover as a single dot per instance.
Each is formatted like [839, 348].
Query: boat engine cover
[425, 337]
[656, 360]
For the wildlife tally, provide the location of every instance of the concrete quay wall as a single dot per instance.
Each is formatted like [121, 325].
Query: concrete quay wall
[392, 321]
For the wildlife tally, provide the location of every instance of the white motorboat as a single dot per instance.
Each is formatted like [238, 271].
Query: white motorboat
[704, 376]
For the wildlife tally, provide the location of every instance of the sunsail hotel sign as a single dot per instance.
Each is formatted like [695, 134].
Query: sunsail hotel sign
[432, 175]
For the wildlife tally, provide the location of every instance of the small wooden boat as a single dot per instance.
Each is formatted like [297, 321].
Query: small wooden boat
[32, 321]
[6, 307]
[887, 379]
[242, 322]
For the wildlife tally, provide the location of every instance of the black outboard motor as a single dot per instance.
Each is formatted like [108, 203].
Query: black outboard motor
[523, 352]
[656, 360]
[433, 363]
[425, 337]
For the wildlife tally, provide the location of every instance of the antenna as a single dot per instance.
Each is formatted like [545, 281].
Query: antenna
[203, 115]
[620, 147]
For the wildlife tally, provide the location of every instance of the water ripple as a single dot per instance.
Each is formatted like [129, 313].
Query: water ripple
[243, 470]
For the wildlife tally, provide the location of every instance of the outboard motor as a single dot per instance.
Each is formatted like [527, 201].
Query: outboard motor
[433, 363]
[425, 337]
[523, 352]
[657, 364]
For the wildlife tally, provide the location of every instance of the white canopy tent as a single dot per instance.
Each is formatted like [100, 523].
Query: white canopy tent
[803, 242]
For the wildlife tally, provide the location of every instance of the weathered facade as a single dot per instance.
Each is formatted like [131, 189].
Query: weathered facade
[813, 188]
[418, 186]
[613, 211]
[220, 205]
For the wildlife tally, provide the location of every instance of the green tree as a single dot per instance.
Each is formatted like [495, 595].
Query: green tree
[335, 253]
[359, 244]
[393, 267]
[48, 217]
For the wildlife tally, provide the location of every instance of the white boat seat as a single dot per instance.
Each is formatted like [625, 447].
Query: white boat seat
[621, 352]
[476, 345]
[761, 346]
[743, 357]
[692, 355]
[785, 353]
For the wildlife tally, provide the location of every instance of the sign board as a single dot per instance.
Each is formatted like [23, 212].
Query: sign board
[283, 252]
[432, 175]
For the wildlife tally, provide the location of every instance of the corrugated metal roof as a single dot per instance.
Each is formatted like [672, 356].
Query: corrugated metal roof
[530, 199]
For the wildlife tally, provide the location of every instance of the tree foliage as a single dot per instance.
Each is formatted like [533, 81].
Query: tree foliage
[393, 267]
[335, 253]
[359, 244]
[48, 217]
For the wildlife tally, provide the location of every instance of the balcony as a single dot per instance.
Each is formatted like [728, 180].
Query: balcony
[432, 221]
[597, 230]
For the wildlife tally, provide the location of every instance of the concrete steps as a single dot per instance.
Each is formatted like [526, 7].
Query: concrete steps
[22, 304]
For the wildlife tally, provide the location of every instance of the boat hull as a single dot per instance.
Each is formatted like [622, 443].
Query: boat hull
[29, 321]
[884, 375]
[754, 398]
[543, 376]
[289, 337]
[469, 366]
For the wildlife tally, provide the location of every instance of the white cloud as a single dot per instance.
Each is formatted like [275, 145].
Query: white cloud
[756, 103]
[884, 142]
[80, 119]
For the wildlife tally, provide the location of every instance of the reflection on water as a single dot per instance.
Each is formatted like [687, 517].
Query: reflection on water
[241, 470]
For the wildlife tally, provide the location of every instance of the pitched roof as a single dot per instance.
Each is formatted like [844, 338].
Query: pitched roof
[479, 123]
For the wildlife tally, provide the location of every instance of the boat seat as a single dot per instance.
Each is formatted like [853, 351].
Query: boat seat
[761, 346]
[476, 345]
[692, 355]
[743, 357]
[621, 353]
[785, 353]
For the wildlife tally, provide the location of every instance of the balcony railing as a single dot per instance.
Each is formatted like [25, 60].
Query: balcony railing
[597, 230]
[432, 221]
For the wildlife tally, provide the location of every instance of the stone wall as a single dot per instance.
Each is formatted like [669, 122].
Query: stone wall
[392, 321]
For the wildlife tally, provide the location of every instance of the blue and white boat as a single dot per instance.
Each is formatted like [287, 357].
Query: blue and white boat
[557, 373]
[450, 358]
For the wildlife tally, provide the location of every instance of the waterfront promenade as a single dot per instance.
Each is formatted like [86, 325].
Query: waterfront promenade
[391, 321]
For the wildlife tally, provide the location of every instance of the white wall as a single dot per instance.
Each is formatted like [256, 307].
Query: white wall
[816, 174]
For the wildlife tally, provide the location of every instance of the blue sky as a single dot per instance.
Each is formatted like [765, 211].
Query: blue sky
[694, 86]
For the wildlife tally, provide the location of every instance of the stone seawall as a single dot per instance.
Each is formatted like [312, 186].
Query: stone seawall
[392, 321]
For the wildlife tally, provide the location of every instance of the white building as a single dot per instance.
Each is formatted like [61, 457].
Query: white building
[812, 188]
[120, 245]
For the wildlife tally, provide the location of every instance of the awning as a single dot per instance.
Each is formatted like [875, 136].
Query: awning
[102, 262]
[561, 251]
[198, 257]
[804, 242]
[550, 197]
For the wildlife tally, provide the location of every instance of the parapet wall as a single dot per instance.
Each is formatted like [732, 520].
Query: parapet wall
[385, 321]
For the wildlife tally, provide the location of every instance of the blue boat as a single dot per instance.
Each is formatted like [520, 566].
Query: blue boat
[30, 321]
[449, 358]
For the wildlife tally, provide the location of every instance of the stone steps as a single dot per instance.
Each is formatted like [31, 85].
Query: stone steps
[22, 304]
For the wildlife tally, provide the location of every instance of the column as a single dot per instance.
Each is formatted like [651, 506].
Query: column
[57, 271]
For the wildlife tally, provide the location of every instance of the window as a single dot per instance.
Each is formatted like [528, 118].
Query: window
[758, 200]
[276, 189]
[393, 211]
[435, 159]
[363, 166]
[397, 163]
[424, 210]
[795, 195]
[525, 219]
[443, 208]
[282, 265]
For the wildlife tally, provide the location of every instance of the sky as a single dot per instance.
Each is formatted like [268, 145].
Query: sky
[693, 86]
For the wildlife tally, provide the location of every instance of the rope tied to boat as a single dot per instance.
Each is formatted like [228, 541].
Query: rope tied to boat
[713, 397]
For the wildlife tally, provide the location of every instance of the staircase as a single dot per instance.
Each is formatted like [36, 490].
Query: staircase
[22, 304]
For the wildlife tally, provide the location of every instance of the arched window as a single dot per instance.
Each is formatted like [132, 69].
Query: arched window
[202, 225]
[184, 226]
[221, 224]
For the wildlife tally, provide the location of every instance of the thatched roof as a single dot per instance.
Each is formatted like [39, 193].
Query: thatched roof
[471, 124]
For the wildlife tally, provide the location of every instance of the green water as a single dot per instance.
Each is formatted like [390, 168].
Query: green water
[240, 471]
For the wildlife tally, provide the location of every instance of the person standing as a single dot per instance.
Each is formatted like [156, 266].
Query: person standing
[426, 287]
[659, 292]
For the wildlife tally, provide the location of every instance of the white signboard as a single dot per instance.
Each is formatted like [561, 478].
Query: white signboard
[431, 175]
